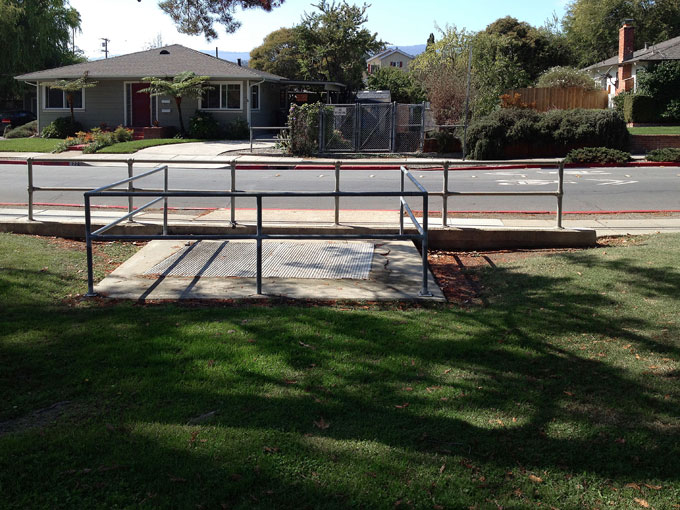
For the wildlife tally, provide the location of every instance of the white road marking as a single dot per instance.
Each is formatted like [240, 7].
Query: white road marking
[612, 182]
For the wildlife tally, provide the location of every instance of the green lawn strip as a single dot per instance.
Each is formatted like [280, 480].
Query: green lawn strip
[29, 145]
[135, 145]
[563, 392]
[655, 130]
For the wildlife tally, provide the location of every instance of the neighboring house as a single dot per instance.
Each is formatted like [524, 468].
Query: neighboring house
[255, 96]
[393, 57]
[619, 73]
[374, 96]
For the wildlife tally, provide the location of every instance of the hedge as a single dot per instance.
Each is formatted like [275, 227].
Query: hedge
[640, 108]
[664, 155]
[516, 132]
[598, 155]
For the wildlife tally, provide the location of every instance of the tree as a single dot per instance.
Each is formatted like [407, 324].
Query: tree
[403, 87]
[278, 54]
[197, 17]
[333, 43]
[430, 40]
[34, 35]
[563, 77]
[186, 84]
[70, 87]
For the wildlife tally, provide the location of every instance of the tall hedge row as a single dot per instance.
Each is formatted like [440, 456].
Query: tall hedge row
[514, 132]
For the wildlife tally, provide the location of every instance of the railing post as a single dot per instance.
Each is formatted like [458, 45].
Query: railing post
[560, 192]
[445, 196]
[165, 201]
[88, 245]
[401, 202]
[29, 164]
[337, 190]
[131, 188]
[424, 292]
[258, 263]
[233, 190]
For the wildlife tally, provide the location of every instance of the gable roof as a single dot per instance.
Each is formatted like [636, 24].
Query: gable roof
[154, 62]
[388, 52]
[667, 50]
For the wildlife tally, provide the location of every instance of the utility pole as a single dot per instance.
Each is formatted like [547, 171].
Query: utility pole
[105, 46]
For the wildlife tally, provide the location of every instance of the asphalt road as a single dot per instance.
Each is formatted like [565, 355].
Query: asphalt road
[596, 189]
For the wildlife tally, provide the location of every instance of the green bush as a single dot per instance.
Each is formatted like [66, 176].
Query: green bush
[619, 101]
[25, 131]
[123, 134]
[532, 134]
[601, 155]
[564, 77]
[672, 111]
[664, 155]
[641, 108]
[237, 130]
[204, 127]
[304, 121]
[62, 127]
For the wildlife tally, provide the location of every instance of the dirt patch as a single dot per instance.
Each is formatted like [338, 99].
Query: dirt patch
[37, 419]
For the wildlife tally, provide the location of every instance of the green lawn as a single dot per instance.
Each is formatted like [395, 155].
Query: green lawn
[29, 144]
[135, 145]
[561, 393]
[655, 130]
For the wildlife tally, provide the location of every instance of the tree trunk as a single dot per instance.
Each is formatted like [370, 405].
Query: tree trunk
[178, 101]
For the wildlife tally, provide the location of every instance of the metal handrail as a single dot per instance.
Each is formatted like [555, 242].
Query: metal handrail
[259, 236]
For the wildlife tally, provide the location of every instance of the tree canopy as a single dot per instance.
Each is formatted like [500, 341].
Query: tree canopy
[196, 17]
[278, 54]
[71, 87]
[403, 87]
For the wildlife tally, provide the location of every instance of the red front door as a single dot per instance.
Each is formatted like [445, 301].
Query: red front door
[141, 106]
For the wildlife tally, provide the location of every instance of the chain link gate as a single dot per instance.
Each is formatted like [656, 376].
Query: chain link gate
[385, 127]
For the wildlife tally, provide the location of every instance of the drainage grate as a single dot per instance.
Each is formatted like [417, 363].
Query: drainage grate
[332, 260]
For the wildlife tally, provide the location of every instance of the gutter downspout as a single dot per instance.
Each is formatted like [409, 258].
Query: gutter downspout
[249, 109]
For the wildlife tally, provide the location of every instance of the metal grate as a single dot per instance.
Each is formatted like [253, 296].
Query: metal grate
[332, 260]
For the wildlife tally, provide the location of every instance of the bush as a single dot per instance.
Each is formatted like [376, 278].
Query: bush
[672, 111]
[564, 77]
[62, 127]
[641, 108]
[664, 155]
[25, 131]
[122, 134]
[598, 155]
[554, 133]
[304, 129]
[204, 127]
[237, 130]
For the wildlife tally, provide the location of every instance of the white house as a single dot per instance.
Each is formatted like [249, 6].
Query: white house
[392, 57]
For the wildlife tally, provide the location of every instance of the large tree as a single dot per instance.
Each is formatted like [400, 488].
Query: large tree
[278, 54]
[591, 26]
[402, 85]
[34, 35]
[197, 17]
[334, 43]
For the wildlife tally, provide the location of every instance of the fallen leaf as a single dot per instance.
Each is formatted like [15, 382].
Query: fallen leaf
[290, 381]
[441, 469]
[535, 479]
[569, 393]
[306, 345]
[447, 370]
[271, 449]
[643, 503]
[231, 331]
[653, 487]
[403, 406]
[408, 388]
[322, 424]
[620, 440]
[632, 486]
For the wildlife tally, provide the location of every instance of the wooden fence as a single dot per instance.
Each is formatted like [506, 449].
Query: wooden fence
[549, 98]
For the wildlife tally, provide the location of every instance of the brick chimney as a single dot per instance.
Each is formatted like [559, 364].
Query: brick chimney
[626, 49]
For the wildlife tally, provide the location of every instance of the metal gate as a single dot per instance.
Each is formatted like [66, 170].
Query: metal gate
[385, 127]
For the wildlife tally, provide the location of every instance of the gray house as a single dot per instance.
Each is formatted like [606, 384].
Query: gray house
[257, 97]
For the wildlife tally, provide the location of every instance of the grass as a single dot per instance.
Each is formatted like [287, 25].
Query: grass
[135, 145]
[561, 393]
[655, 130]
[29, 144]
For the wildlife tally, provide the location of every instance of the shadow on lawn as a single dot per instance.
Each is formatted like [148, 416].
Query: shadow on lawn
[577, 413]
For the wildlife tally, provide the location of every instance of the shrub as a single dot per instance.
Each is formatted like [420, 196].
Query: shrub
[61, 128]
[66, 143]
[564, 77]
[487, 137]
[122, 134]
[598, 155]
[641, 108]
[237, 130]
[664, 155]
[672, 111]
[25, 131]
[204, 127]
[304, 129]
[570, 129]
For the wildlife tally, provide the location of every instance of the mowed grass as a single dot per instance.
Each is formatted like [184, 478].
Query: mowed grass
[135, 145]
[561, 393]
[655, 130]
[29, 144]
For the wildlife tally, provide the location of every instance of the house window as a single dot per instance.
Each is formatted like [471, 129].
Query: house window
[56, 99]
[397, 64]
[255, 97]
[223, 96]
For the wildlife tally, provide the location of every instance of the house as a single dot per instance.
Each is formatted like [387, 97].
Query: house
[259, 98]
[619, 73]
[392, 57]
[374, 96]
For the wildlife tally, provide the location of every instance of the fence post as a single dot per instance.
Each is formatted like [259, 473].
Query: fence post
[425, 292]
[165, 202]
[131, 187]
[422, 128]
[401, 202]
[322, 131]
[258, 263]
[29, 164]
[560, 192]
[337, 190]
[393, 138]
[233, 190]
[357, 126]
[445, 196]
[88, 245]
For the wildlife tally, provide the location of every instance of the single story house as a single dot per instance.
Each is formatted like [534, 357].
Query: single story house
[259, 98]
[391, 57]
[619, 73]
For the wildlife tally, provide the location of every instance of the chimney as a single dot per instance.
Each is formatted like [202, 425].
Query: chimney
[238, 61]
[626, 40]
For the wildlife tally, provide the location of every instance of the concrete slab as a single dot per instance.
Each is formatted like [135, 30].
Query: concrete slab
[396, 275]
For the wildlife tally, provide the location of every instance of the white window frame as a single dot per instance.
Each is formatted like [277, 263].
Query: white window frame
[259, 97]
[218, 85]
[65, 108]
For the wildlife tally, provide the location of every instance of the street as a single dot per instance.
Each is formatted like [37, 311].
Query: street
[594, 189]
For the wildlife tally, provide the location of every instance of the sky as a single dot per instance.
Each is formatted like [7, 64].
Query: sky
[131, 25]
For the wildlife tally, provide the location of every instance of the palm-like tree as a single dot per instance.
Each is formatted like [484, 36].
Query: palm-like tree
[71, 87]
[186, 84]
